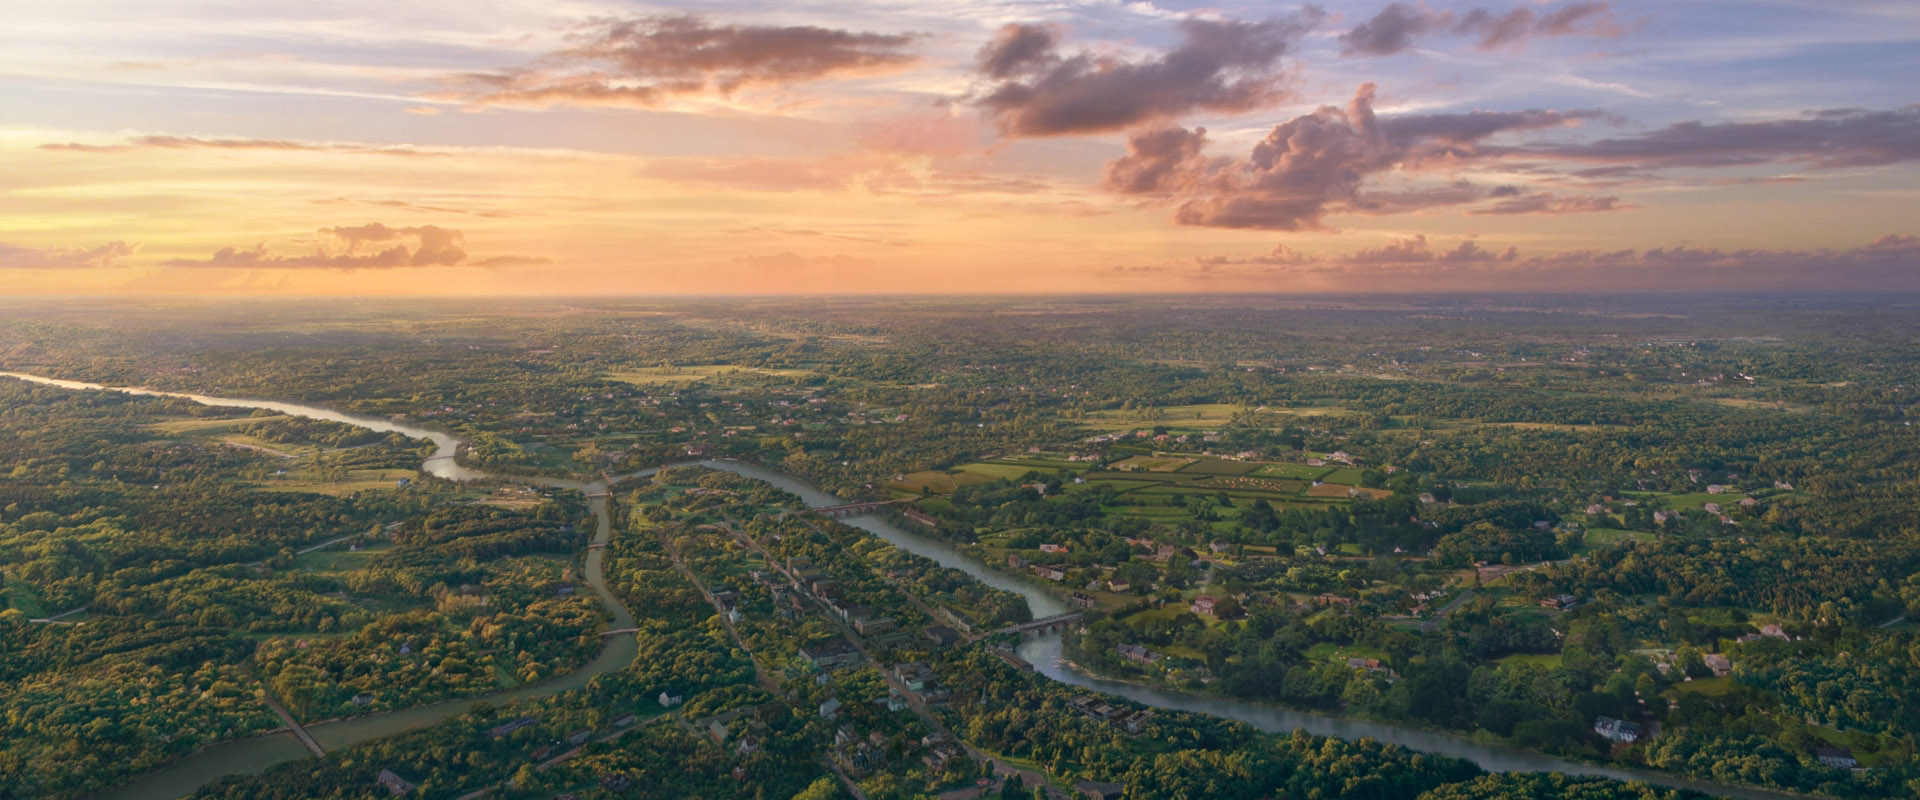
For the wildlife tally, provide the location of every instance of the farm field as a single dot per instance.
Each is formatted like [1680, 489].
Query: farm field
[1214, 467]
[1294, 471]
[1153, 463]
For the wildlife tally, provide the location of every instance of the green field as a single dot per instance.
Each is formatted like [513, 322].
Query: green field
[1154, 463]
[1217, 467]
[20, 595]
[1544, 660]
[1300, 472]
[997, 471]
[1187, 416]
[1348, 476]
[1604, 537]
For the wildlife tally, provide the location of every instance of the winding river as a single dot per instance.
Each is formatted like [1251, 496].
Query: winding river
[251, 756]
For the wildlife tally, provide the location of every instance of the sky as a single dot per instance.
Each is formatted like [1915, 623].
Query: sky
[570, 147]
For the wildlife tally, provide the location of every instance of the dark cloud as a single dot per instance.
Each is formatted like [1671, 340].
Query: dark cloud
[1223, 66]
[644, 61]
[1314, 164]
[437, 247]
[1396, 27]
[195, 143]
[1823, 140]
[106, 255]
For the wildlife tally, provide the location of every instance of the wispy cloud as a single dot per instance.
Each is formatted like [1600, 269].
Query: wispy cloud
[161, 142]
[1399, 26]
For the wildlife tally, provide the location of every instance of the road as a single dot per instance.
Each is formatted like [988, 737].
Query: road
[760, 674]
[292, 724]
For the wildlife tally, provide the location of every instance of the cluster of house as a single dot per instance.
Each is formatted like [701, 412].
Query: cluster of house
[577, 737]
[806, 578]
[920, 682]
[1138, 654]
[833, 654]
[1615, 730]
[1371, 666]
[1127, 719]
[861, 755]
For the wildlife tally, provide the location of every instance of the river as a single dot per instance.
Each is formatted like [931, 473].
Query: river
[251, 756]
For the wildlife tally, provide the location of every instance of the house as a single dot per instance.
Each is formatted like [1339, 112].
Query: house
[565, 590]
[672, 697]
[830, 710]
[717, 731]
[1119, 586]
[362, 698]
[1138, 654]
[500, 731]
[1364, 664]
[1615, 730]
[1055, 572]
[1774, 631]
[1205, 604]
[1835, 757]
[942, 635]
[1427, 499]
[1718, 663]
[1081, 600]
[1092, 790]
[394, 783]
[1053, 548]
[624, 720]
[1219, 548]
[1015, 561]
[579, 736]
[1748, 502]
[748, 746]
[1711, 508]
[1560, 602]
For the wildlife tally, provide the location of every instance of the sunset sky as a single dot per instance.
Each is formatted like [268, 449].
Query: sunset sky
[588, 146]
